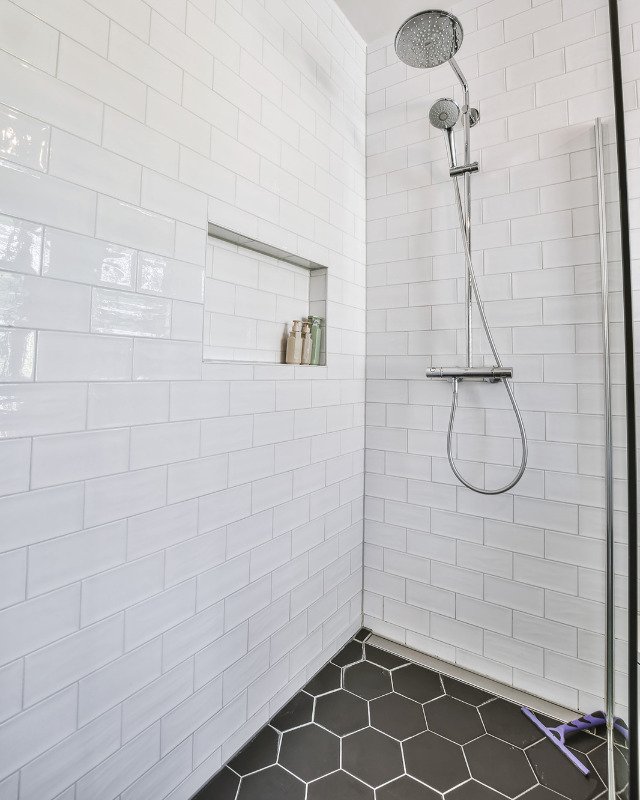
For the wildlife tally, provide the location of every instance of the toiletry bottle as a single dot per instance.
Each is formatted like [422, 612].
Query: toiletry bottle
[316, 339]
[306, 343]
[294, 344]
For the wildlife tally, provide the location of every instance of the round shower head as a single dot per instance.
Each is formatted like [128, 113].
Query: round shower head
[444, 113]
[429, 38]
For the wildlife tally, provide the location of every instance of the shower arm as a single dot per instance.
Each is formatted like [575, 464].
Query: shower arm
[466, 111]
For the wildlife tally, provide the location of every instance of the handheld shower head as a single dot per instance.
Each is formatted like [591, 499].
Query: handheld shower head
[443, 115]
[429, 39]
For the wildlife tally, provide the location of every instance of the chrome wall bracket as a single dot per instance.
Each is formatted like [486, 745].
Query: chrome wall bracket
[464, 169]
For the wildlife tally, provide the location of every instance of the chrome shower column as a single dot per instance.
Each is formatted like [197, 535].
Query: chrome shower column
[426, 40]
[466, 123]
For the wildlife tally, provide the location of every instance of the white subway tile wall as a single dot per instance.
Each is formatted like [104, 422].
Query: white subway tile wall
[250, 301]
[180, 541]
[511, 585]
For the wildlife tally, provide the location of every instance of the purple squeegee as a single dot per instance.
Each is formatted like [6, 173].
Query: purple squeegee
[559, 734]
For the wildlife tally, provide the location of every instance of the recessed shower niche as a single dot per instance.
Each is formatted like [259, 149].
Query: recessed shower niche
[253, 292]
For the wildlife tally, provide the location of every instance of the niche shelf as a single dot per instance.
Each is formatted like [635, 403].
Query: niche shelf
[253, 291]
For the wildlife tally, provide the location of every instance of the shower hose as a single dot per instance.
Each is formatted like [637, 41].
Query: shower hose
[496, 355]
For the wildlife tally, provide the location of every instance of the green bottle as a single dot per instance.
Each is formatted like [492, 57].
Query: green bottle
[316, 339]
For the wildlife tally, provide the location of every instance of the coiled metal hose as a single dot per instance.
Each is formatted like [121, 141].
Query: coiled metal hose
[496, 355]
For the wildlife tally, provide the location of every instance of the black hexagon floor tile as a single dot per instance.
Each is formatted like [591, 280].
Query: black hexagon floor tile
[261, 752]
[499, 765]
[406, 788]
[371, 756]
[339, 786]
[556, 772]
[453, 719]
[341, 712]
[541, 793]
[417, 683]
[367, 680]
[435, 761]
[585, 742]
[382, 658]
[599, 758]
[472, 790]
[224, 786]
[381, 716]
[350, 654]
[273, 783]
[465, 692]
[310, 752]
[327, 680]
[298, 711]
[397, 716]
[506, 721]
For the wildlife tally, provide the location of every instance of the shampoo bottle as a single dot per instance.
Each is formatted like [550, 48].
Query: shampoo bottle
[294, 344]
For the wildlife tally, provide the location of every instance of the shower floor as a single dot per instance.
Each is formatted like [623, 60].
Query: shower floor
[373, 726]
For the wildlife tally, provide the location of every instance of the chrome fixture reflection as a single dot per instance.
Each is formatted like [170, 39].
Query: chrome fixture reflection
[427, 40]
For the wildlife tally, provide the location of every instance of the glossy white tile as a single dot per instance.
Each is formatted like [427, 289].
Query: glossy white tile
[20, 245]
[17, 355]
[28, 38]
[84, 259]
[129, 314]
[16, 455]
[68, 559]
[134, 226]
[24, 140]
[87, 164]
[46, 199]
[50, 773]
[120, 496]
[140, 143]
[78, 456]
[35, 731]
[13, 575]
[111, 405]
[38, 622]
[123, 586]
[28, 301]
[88, 71]
[43, 97]
[83, 357]
[149, 64]
[170, 278]
[161, 360]
[152, 445]
[32, 410]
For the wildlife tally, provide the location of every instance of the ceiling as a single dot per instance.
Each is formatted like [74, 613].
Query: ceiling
[374, 19]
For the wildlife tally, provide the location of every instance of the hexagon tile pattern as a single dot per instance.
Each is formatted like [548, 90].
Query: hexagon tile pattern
[373, 726]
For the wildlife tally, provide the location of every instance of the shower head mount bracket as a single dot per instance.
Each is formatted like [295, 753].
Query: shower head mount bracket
[462, 169]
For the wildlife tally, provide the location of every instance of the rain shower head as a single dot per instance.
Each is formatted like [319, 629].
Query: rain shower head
[429, 39]
[444, 113]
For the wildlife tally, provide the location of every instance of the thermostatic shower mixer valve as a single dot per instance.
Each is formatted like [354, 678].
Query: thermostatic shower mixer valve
[427, 40]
